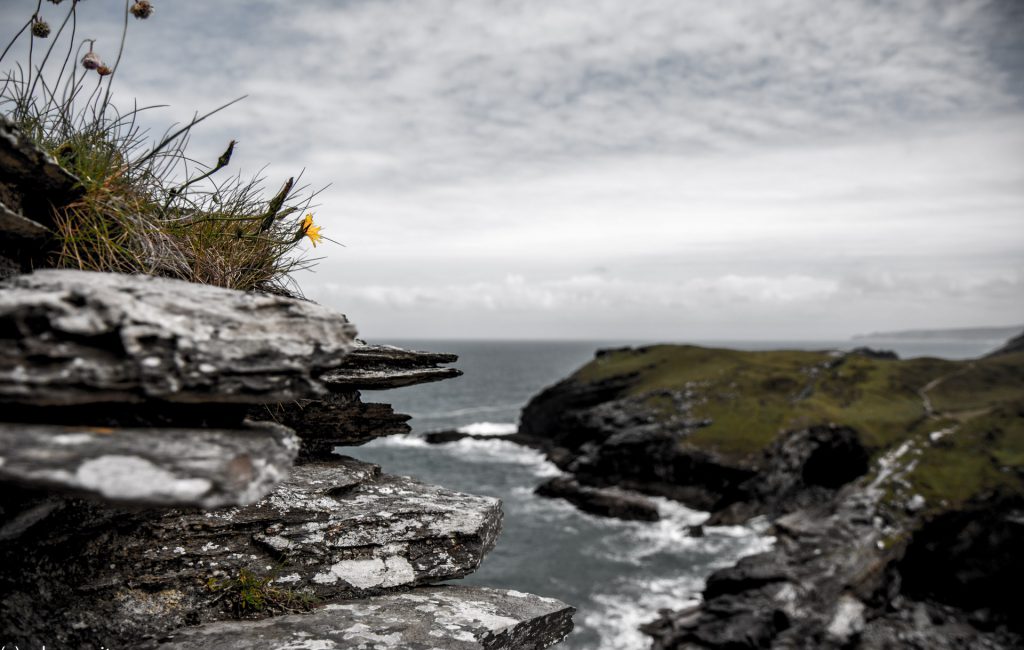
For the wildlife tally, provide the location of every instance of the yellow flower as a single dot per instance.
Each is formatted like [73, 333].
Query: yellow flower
[311, 231]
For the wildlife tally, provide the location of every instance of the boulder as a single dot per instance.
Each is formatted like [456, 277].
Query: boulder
[451, 617]
[76, 337]
[207, 468]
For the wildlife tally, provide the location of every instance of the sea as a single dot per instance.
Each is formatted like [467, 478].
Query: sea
[617, 574]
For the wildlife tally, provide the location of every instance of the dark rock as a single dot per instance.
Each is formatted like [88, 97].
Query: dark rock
[153, 466]
[75, 337]
[872, 353]
[1014, 345]
[15, 226]
[380, 367]
[332, 530]
[607, 502]
[337, 420]
[32, 181]
[801, 469]
[605, 438]
[451, 617]
[979, 550]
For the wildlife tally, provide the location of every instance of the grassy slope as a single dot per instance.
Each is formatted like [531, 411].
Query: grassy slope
[753, 396]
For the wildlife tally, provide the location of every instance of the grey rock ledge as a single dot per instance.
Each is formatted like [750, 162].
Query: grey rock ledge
[448, 618]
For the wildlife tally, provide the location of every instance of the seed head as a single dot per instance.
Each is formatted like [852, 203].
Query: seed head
[40, 28]
[91, 60]
[142, 9]
[104, 70]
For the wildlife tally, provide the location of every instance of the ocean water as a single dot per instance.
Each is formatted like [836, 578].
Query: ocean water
[617, 574]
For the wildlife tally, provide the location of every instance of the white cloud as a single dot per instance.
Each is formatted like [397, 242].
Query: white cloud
[735, 164]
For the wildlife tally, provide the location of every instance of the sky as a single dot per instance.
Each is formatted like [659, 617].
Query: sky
[618, 169]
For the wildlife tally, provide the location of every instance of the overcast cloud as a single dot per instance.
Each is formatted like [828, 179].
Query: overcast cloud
[660, 169]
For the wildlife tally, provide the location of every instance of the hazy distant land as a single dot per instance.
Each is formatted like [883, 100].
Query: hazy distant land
[958, 334]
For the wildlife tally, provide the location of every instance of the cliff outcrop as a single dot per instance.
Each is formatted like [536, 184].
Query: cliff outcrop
[895, 487]
[170, 475]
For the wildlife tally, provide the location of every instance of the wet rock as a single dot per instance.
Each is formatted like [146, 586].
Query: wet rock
[76, 337]
[337, 420]
[153, 466]
[606, 502]
[332, 530]
[380, 367]
[451, 617]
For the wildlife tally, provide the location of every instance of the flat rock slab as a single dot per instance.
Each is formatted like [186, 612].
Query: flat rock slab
[331, 530]
[76, 337]
[447, 618]
[380, 367]
[207, 468]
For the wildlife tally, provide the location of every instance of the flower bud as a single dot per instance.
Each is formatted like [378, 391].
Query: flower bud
[91, 60]
[40, 28]
[104, 70]
[142, 9]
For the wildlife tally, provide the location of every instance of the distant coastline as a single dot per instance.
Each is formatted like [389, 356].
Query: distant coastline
[957, 334]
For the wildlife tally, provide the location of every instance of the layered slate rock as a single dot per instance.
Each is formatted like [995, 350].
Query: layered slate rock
[76, 337]
[341, 418]
[379, 367]
[154, 466]
[332, 530]
[337, 420]
[455, 618]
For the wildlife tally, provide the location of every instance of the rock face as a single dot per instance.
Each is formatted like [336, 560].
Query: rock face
[76, 337]
[455, 618]
[605, 438]
[207, 468]
[149, 486]
[332, 530]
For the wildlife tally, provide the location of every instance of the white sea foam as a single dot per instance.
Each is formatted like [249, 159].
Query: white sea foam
[489, 428]
[503, 451]
[437, 415]
[629, 602]
[633, 602]
[397, 441]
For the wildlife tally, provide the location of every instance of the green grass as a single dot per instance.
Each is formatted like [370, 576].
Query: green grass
[248, 594]
[751, 397]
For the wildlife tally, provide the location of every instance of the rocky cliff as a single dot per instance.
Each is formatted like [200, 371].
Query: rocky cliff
[170, 477]
[896, 488]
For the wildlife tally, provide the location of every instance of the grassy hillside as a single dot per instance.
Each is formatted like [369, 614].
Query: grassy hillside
[975, 408]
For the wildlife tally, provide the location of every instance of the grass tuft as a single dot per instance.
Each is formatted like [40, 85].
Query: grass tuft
[147, 206]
